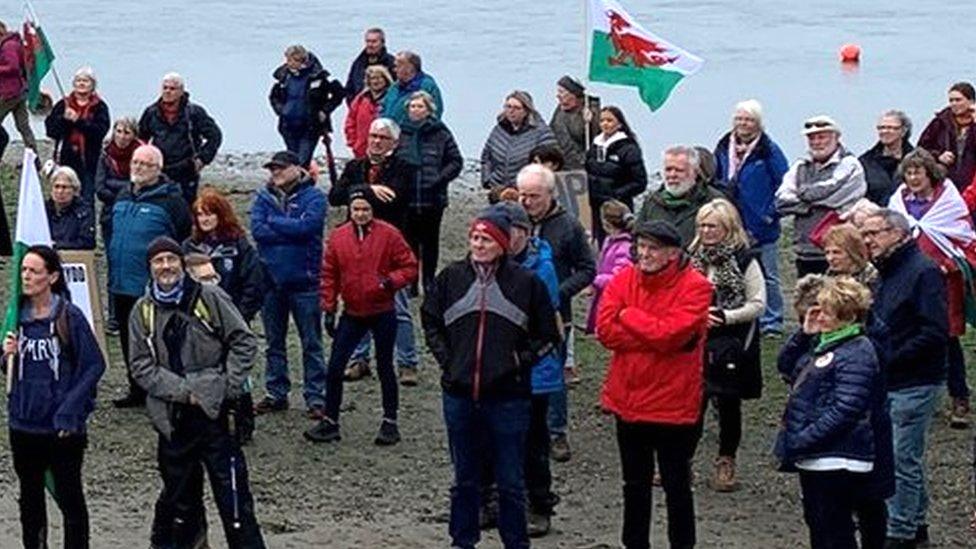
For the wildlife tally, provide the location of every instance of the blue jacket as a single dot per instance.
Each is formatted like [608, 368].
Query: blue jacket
[138, 218]
[72, 228]
[547, 374]
[835, 390]
[56, 371]
[395, 102]
[288, 231]
[753, 189]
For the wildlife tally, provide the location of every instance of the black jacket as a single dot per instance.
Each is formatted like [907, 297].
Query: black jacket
[72, 228]
[323, 95]
[395, 174]
[83, 162]
[487, 336]
[910, 300]
[431, 147]
[108, 185]
[356, 81]
[879, 171]
[194, 135]
[620, 176]
[571, 254]
[241, 274]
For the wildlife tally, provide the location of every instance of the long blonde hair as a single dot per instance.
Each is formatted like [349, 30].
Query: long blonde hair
[728, 217]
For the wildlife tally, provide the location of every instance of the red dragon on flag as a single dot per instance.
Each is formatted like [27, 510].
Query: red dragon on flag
[641, 51]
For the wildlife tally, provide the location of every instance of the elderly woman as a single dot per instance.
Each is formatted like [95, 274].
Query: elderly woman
[943, 230]
[365, 108]
[614, 166]
[112, 175]
[72, 222]
[721, 251]
[425, 142]
[847, 254]
[78, 124]
[881, 161]
[520, 129]
[950, 138]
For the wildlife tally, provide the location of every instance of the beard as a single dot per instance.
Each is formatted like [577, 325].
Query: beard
[681, 188]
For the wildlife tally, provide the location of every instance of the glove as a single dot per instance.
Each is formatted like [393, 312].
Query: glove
[329, 322]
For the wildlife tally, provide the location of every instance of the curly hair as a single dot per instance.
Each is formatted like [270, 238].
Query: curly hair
[211, 201]
[847, 298]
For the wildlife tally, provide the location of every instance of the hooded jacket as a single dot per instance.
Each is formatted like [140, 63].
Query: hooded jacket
[300, 98]
[753, 188]
[614, 256]
[395, 102]
[431, 148]
[620, 176]
[507, 150]
[941, 136]
[571, 254]
[13, 78]
[547, 374]
[193, 135]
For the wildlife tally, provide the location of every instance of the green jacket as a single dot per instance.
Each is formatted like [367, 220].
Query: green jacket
[681, 213]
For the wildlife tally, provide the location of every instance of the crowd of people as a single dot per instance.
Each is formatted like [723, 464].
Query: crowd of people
[682, 288]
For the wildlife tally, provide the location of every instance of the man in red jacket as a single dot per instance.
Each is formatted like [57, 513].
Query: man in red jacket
[653, 317]
[365, 262]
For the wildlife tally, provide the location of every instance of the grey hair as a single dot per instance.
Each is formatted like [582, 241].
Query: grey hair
[893, 219]
[411, 58]
[903, 119]
[428, 100]
[89, 73]
[387, 124]
[65, 172]
[175, 78]
[537, 170]
[296, 51]
[689, 152]
[376, 30]
[127, 121]
[751, 107]
[154, 151]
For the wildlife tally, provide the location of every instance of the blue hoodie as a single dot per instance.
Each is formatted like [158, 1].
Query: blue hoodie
[547, 374]
[54, 388]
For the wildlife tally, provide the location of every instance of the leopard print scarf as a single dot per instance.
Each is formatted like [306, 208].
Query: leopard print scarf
[727, 277]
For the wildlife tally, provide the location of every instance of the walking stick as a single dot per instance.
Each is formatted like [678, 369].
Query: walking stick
[330, 159]
[232, 430]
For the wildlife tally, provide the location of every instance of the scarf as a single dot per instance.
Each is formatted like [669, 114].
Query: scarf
[946, 222]
[729, 280]
[168, 297]
[170, 111]
[119, 159]
[840, 334]
[76, 137]
[484, 271]
[738, 152]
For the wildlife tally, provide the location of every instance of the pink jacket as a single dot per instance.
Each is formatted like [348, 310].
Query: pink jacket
[614, 256]
[12, 80]
[362, 111]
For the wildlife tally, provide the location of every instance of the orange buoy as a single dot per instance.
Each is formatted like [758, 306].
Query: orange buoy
[850, 53]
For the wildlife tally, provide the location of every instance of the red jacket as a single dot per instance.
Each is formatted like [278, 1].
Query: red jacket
[355, 265]
[12, 80]
[655, 326]
[362, 111]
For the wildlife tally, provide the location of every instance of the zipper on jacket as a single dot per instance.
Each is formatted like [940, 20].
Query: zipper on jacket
[481, 339]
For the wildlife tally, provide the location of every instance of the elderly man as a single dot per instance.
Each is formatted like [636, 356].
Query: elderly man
[192, 351]
[150, 207]
[910, 299]
[13, 84]
[486, 347]
[287, 222]
[303, 96]
[183, 131]
[750, 167]
[409, 78]
[374, 53]
[817, 189]
[575, 269]
[683, 192]
[569, 121]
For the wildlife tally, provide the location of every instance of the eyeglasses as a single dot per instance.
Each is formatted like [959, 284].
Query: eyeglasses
[142, 164]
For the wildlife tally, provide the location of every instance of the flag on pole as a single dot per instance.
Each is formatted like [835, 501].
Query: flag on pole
[38, 58]
[625, 53]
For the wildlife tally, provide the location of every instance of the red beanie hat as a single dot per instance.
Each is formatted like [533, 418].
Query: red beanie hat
[493, 223]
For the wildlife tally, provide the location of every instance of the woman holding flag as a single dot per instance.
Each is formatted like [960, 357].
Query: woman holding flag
[53, 366]
[943, 229]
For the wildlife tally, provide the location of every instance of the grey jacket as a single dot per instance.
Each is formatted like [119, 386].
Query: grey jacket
[570, 131]
[507, 150]
[217, 353]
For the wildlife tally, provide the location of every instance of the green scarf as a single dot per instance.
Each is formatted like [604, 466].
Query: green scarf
[673, 201]
[840, 334]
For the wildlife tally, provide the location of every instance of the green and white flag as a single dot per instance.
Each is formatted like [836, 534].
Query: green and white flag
[625, 53]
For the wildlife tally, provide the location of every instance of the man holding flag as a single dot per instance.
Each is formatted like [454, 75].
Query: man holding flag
[13, 82]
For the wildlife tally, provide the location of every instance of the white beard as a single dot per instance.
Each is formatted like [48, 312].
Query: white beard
[680, 189]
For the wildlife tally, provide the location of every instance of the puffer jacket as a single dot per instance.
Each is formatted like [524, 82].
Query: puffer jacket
[679, 212]
[365, 266]
[308, 108]
[547, 374]
[241, 274]
[216, 351]
[620, 176]
[614, 256]
[363, 110]
[288, 231]
[507, 150]
[193, 136]
[430, 147]
[72, 228]
[753, 188]
[655, 327]
[13, 78]
[486, 335]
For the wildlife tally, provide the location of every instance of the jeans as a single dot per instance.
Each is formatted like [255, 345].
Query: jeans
[911, 412]
[349, 332]
[123, 306]
[304, 308]
[422, 230]
[956, 380]
[828, 507]
[18, 106]
[559, 400]
[494, 430]
[673, 446]
[772, 318]
[302, 143]
[405, 349]
[34, 455]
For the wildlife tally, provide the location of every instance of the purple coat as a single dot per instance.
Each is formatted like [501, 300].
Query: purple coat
[12, 79]
[940, 136]
[614, 256]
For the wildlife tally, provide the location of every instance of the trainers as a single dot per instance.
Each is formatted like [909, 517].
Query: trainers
[560, 449]
[357, 369]
[130, 400]
[538, 524]
[959, 416]
[323, 431]
[268, 405]
[112, 327]
[315, 413]
[388, 435]
[724, 480]
[408, 376]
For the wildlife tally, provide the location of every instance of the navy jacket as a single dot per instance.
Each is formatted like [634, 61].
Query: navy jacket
[193, 135]
[828, 413]
[430, 147]
[910, 299]
[753, 189]
[288, 231]
[880, 171]
[83, 162]
[241, 274]
[56, 371]
[356, 81]
[300, 98]
[72, 228]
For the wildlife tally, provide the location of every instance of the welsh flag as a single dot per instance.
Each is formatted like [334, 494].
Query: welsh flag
[38, 57]
[625, 53]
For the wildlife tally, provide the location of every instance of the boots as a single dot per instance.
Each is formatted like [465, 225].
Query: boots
[724, 480]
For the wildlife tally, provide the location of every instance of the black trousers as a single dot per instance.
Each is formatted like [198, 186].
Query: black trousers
[422, 231]
[123, 305]
[872, 522]
[729, 410]
[33, 455]
[829, 499]
[673, 446]
[810, 266]
[349, 333]
[198, 440]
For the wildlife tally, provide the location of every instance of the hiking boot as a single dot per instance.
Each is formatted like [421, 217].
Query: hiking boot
[323, 431]
[357, 369]
[959, 416]
[315, 413]
[922, 535]
[898, 543]
[538, 524]
[408, 376]
[112, 327]
[724, 480]
[559, 451]
[130, 400]
[268, 405]
[388, 435]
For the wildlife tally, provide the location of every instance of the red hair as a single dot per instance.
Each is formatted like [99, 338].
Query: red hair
[211, 201]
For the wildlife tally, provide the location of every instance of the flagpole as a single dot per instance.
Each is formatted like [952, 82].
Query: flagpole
[37, 23]
[587, 115]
